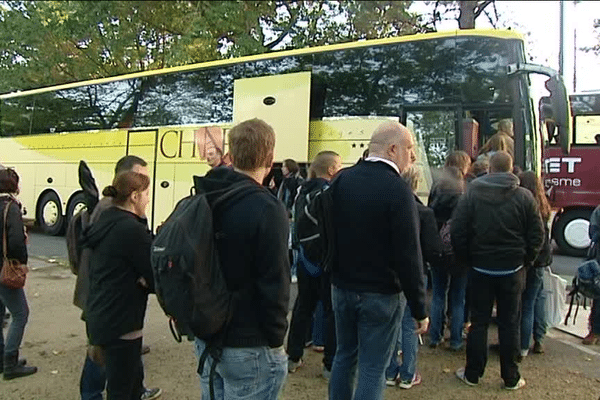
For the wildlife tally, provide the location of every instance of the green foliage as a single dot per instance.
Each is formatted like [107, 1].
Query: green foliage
[53, 42]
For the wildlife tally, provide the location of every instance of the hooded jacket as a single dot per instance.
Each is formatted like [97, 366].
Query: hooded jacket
[496, 224]
[120, 242]
[253, 251]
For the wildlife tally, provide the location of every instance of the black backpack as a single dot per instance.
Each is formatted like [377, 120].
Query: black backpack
[190, 286]
[307, 234]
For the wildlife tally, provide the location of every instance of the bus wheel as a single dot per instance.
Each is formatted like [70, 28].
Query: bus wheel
[571, 232]
[76, 205]
[50, 217]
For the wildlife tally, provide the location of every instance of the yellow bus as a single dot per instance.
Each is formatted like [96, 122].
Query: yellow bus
[450, 88]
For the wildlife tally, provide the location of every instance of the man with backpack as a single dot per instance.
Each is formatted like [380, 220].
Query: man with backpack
[497, 230]
[93, 376]
[313, 285]
[252, 246]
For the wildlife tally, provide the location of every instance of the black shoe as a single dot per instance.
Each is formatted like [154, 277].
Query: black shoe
[13, 368]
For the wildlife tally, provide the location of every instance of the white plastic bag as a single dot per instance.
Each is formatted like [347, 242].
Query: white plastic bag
[555, 289]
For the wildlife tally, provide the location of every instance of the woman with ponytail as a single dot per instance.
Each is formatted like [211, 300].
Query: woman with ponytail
[120, 281]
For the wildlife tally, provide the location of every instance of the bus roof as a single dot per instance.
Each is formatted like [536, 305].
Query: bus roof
[497, 33]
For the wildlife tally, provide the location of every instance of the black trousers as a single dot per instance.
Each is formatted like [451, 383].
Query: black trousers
[124, 369]
[506, 291]
[310, 291]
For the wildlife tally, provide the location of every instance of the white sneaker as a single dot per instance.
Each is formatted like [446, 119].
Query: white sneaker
[294, 279]
[518, 386]
[524, 353]
[393, 381]
[460, 374]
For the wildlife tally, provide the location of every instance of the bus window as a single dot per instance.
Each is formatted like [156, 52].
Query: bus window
[435, 132]
[586, 129]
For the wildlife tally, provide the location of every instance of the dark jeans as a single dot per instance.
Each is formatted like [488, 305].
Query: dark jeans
[310, 291]
[506, 291]
[16, 302]
[366, 326]
[595, 317]
[124, 372]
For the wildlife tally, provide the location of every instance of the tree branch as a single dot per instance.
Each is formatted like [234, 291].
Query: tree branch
[480, 7]
[288, 29]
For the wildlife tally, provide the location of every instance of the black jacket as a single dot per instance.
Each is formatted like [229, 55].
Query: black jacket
[253, 251]
[497, 224]
[431, 242]
[15, 234]
[116, 305]
[377, 234]
[443, 199]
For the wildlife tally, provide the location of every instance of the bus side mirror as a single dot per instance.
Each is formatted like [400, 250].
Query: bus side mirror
[561, 112]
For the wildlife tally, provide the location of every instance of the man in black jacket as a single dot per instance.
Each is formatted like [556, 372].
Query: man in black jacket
[497, 229]
[377, 256]
[253, 252]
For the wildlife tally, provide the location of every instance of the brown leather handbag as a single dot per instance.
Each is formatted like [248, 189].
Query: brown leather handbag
[13, 273]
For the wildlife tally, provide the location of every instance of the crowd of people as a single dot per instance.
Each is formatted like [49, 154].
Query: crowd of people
[482, 240]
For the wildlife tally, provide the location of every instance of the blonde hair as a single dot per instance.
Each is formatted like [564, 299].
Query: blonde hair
[321, 163]
[412, 176]
[251, 144]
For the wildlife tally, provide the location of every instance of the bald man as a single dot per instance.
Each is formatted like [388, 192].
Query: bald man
[377, 256]
[496, 229]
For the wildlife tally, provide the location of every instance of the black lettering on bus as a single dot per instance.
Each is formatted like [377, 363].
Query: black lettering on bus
[180, 142]
[162, 148]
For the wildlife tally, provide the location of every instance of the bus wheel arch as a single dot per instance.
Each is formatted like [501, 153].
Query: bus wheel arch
[75, 204]
[570, 231]
[49, 213]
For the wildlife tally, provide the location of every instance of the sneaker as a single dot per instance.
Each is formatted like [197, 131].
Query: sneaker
[294, 279]
[455, 349]
[151, 394]
[145, 349]
[524, 353]
[318, 349]
[416, 380]
[392, 381]
[517, 386]
[591, 338]
[460, 374]
[294, 365]
[326, 373]
[538, 348]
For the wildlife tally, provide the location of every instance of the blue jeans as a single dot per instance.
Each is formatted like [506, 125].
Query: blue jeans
[245, 373]
[16, 302]
[366, 326]
[93, 380]
[318, 325]
[533, 317]
[408, 342]
[453, 286]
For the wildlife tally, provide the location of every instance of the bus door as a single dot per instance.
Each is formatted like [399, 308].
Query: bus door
[143, 143]
[435, 130]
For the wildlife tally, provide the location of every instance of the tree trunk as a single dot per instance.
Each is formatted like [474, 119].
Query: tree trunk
[466, 19]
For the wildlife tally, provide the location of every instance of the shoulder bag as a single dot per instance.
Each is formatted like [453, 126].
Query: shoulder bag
[13, 273]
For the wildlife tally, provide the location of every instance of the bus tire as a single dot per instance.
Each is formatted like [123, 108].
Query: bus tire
[571, 232]
[50, 215]
[76, 204]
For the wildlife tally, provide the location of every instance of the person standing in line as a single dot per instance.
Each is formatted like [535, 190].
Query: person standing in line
[533, 318]
[497, 230]
[312, 289]
[14, 299]
[93, 376]
[253, 253]
[405, 374]
[290, 183]
[120, 281]
[377, 256]
[449, 279]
